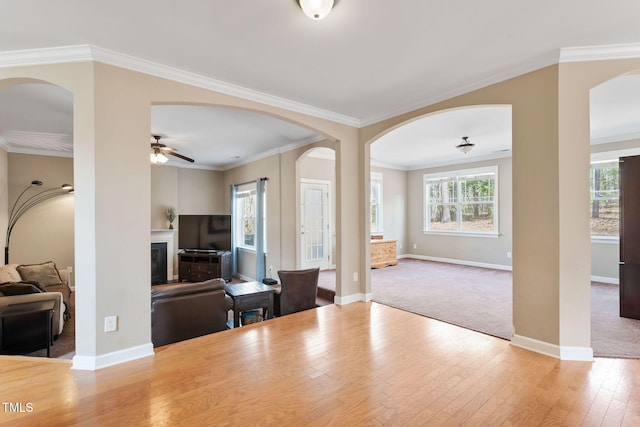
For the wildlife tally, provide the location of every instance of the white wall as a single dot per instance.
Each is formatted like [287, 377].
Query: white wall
[604, 261]
[394, 206]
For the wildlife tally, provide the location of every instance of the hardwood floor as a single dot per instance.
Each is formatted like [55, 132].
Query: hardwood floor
[359, 364]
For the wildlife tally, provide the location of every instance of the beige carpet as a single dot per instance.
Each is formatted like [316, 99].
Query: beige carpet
[481, 299]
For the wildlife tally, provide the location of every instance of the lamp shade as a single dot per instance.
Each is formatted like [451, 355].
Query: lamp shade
[316, 9]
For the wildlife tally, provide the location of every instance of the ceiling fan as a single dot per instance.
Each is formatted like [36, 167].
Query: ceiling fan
[158, 156]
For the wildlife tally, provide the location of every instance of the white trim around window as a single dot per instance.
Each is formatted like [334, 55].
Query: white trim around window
[453, 198]
[377, 223]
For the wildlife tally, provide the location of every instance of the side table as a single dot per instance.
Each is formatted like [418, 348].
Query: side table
[27, 327]
[250, 296]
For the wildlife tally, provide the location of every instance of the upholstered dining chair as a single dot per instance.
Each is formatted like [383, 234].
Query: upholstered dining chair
[298, 291]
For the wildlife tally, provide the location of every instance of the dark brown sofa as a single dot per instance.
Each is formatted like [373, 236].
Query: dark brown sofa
[184, 311]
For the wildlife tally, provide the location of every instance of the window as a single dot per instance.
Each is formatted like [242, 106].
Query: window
[245, 216]
[376, 203]
[461, 201]
[605, 198]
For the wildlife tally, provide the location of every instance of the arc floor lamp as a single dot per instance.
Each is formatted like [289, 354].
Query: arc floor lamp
[20, 208]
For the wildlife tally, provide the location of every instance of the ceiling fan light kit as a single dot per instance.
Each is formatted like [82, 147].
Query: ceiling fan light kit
[316, 9]
[158, 158]
[465, 146]
[159, 152]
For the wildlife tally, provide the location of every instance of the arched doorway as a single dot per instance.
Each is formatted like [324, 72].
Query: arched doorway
[316, 217]
[422, 176]
[36, 139]
[615, 130]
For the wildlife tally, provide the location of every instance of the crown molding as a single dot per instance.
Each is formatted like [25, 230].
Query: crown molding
[383, 165]
[463, 160]
[536, 63]
[47, 55]
[80, 53]
[616, 138]
[38, 152]
[274, 151]
[600, 53]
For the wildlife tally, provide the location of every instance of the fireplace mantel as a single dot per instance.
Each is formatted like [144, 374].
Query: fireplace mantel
[165, 236]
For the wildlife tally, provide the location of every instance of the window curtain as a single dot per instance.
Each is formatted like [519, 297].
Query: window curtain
[234, 252]
[238, 191]
[260, 224]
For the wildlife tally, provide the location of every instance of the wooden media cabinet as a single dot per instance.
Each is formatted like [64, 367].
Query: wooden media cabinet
[201, 266]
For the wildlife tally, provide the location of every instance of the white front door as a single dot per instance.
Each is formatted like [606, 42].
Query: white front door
[314, 224]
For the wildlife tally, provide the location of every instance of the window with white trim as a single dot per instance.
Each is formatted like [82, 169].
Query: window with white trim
[605, 198]
[245, 216]
[376, 203]
[463, 201]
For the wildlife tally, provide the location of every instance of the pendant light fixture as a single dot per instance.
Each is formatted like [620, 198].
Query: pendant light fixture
[316, 9]
[465, 146]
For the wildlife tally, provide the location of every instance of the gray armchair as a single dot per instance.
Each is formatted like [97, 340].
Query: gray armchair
[298, 291]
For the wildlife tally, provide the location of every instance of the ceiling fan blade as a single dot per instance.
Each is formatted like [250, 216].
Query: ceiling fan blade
[180, 156]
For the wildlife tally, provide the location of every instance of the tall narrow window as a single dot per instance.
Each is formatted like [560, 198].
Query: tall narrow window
[376, 203]
[461, 201]
[605, 199]
[245, 216]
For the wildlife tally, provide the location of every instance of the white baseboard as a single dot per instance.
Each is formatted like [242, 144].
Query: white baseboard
[610, 280]
[350, 298]
[458, 261]
[93, 363]
[583, 354]
[601, 279]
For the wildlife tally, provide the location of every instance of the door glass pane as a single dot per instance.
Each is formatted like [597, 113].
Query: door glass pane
[314, 233]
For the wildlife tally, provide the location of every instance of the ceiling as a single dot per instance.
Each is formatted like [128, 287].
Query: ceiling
[368, 60]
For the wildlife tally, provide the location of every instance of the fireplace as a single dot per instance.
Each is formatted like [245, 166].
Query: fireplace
[158, 263]
[166, 237]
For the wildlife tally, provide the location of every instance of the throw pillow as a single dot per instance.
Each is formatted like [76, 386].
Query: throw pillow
[36, 284]
[18, 288]
[8, 273]
[46, 274]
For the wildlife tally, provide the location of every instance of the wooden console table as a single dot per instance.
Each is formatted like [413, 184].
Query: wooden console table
[383, 253]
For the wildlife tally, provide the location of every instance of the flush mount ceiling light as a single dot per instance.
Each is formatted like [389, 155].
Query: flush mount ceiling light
[316, 9]
[465, 146]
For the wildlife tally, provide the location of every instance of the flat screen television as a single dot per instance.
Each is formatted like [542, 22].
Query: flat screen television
[204, 232]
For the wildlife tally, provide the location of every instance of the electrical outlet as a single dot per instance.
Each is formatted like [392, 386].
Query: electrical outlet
[509, 254]
[69, 270]
[111, 323]
[415, 246]
[355, 276]
[270, 269]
